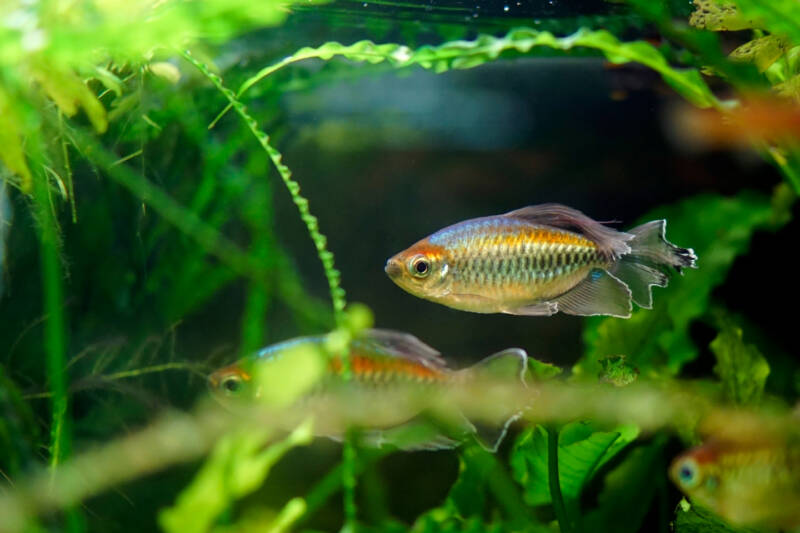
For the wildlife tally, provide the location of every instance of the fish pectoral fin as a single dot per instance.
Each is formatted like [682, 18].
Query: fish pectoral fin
[476, 303]
[537, 309]
[599, 294]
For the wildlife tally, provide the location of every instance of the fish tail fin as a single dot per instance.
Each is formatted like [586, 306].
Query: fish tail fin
[650, 260]
[508, 365]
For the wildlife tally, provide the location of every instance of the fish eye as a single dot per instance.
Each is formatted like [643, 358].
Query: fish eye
[232, 384]
[420, 266]
[688, 473]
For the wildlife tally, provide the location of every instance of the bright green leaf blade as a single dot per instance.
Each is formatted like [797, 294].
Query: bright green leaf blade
[718, 229]
[777, 16]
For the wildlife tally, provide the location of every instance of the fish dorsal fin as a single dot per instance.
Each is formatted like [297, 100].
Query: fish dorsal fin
[610, 241]
[403, 345]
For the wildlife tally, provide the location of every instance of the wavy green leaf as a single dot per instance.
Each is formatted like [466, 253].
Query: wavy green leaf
[718, 229]
[469, 54]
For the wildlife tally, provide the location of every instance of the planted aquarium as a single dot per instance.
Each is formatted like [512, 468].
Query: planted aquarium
[383, 266]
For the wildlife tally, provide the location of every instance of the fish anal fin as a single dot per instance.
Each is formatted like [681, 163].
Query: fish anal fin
[509, 365]
[490, 436]
[599, 294]
[608, 240]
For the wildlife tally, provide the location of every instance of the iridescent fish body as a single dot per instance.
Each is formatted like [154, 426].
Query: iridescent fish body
[380, 356]
[537, 261]
[747, 483]
[379, 359]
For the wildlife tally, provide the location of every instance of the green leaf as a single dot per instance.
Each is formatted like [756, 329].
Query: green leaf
[541, 371]
[469, 54]
[617, 371]
[719, 229]
[741, 367]
[762, 52]
[776, 16]
[628, 491]
[69, 93]
[582, 452]
[717, 15]
[481, 477]
[237, 466]
[11, 153]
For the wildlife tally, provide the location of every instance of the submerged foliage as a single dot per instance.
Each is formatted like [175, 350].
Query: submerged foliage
[140, 208]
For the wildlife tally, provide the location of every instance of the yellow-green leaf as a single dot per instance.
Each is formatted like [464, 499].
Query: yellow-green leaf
[720, 16]
[70, 93]
[762, 52]
[11, 152]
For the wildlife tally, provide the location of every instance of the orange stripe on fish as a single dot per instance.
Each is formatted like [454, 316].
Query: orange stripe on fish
[366, 367]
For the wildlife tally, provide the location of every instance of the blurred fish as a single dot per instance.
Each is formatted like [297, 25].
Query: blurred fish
[382, 358]
[757, 119]
[752, 483]
[539, 260]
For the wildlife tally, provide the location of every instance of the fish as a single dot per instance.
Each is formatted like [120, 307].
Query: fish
[380, 358]
[754, 483]
[540, 260]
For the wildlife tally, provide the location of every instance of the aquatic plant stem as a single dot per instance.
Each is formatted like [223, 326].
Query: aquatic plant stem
[325, 256]
[554, 481]
[349, 462]
[312, 224]
[53, 301]
[55, 344]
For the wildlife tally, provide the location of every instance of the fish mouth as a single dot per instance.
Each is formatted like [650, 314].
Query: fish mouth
[393, 268]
